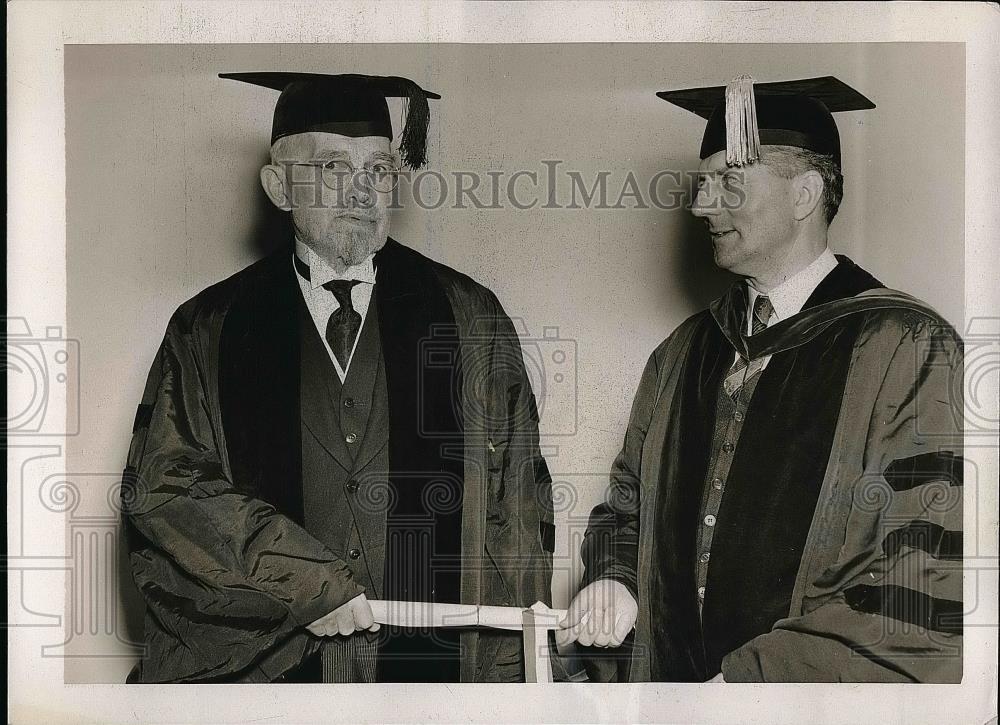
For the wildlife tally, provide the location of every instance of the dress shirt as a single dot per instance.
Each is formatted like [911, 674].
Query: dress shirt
[789, 296]
[322, 303]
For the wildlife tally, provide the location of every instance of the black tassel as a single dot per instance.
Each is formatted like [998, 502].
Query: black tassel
[413, 144]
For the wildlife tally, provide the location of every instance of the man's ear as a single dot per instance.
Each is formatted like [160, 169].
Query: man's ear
[808, 191]
[272, 178]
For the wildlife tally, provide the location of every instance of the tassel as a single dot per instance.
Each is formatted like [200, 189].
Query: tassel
[742, 134]
[413, 144]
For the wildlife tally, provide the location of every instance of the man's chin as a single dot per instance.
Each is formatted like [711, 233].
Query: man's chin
[347, 248]
[359, 248]
[728, 259]
[722, 260]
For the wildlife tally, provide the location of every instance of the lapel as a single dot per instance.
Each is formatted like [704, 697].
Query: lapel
[403, 285]
[669, 453]
[425, 420]
[258, 380]
[729, 312]
[376, 435]
[400, 307]
[320, 397]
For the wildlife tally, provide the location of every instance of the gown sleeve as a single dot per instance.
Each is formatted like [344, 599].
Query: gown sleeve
[229, 582]
[610, 548]
[890, 608]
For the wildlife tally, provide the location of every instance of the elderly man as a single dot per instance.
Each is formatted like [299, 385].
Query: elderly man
[342, 421]
[787, 503]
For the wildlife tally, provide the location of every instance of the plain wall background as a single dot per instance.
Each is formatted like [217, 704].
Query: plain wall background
[163, 200]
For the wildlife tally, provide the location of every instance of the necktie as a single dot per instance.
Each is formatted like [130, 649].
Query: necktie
[343, 325]
[743, 369]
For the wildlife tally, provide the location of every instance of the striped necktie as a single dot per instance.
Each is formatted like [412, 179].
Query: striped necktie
[343, 325]
[743, 369]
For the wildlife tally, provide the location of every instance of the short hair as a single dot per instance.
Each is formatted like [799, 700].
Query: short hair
[276, 153]
[790, 161]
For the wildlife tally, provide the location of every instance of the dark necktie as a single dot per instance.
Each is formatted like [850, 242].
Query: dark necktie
[743, 369]
[343, 325]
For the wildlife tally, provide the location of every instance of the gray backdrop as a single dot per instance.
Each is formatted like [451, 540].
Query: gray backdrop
[163, 200]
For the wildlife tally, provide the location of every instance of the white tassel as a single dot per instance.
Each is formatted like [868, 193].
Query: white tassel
[742, 134]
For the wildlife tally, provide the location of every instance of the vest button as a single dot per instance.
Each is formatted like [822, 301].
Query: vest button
[354, 553]
[352, 486]
[727, 447]
[738, 415]
[710, 520]
[348, 402]
[351, 437]
[717, 484]
[701, 592]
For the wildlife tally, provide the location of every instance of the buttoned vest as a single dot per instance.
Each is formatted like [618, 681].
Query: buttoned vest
[345, 429]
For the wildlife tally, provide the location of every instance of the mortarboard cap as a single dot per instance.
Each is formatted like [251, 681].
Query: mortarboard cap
[348, 104]
[744, 114]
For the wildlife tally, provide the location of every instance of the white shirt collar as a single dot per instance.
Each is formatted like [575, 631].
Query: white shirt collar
[320, 272]
[789, 296]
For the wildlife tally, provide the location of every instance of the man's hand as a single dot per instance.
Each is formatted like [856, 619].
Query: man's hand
[602, 614]
[350, 617]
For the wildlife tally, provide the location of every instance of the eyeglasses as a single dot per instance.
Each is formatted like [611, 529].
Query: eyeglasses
[336, 173]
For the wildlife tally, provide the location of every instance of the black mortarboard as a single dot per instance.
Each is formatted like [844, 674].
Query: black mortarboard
[744, 114]
[351, 105]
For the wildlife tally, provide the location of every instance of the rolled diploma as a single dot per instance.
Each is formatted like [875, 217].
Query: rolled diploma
[433, 614]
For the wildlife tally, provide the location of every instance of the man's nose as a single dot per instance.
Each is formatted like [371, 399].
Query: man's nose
[703, 205]
[358, 189]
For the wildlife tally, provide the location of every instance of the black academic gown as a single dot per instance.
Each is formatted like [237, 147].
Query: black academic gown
[854, 422]
[212, 501]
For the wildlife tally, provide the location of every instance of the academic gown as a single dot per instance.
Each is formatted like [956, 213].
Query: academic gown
[837, 550]
[212, 493]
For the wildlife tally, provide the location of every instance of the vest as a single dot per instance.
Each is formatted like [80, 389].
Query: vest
[345, 457]
[347, 498]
